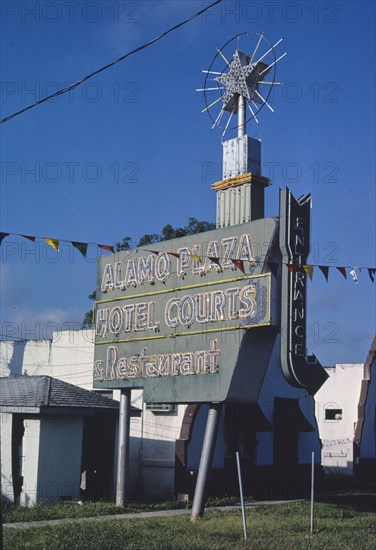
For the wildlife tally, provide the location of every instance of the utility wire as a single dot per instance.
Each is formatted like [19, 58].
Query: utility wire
[87, 77]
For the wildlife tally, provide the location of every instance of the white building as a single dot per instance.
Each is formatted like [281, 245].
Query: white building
[56, 441]
[345, 412]
[337, 414]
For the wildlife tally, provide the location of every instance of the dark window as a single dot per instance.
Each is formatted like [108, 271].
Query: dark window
[333, 414]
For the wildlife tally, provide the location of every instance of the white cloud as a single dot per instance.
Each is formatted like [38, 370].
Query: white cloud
[25, 323]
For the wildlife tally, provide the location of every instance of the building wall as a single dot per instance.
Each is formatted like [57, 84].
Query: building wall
[275, 385]
[6, 456]
[368, 435]
[25, 357]
[69, 356]
[195, 445]
[339, 393]
[156, 433]
[30, 460]
[365, 434]
[59, 466]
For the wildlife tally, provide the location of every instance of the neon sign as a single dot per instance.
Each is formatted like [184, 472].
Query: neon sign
[171, 320]
[300, 370]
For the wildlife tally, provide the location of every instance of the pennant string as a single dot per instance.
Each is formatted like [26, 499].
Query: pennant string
[239, 264]
[325, 271]
[33, 238]
[2, 237]
[215, 260]
[106, 247]
[309, 270]
[342, 270]
[54, 243]
[81, 247]
[371, 273]
[354, 275]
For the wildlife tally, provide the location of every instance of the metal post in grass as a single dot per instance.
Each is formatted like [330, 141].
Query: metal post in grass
[241, 495]
[206, 459]
[123, 449]
[312, 488]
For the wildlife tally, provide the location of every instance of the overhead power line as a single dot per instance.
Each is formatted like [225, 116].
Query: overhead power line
[105, 67]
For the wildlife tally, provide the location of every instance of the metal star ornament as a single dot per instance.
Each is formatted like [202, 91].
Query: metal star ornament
[240, 85]
[241, 79]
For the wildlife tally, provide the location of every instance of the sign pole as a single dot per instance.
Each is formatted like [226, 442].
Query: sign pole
[312, 488]
[123, 449]
[241, 495]
[207, 453]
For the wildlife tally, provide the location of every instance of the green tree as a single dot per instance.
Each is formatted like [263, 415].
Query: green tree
[88, 318]
[125, 244]
[148, 239]
[194, 226]
[168, 232]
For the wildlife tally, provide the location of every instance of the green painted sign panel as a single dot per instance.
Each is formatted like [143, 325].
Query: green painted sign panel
[171, 319]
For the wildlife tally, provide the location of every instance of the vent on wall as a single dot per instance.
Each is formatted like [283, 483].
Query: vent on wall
[160, 408]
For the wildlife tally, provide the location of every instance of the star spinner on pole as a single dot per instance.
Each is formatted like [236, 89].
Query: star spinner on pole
[241, 83]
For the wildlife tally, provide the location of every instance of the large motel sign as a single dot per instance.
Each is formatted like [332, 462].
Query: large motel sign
[172, 320]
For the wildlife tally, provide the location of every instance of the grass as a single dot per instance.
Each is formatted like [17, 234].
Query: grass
[13, 513]
[284, 526]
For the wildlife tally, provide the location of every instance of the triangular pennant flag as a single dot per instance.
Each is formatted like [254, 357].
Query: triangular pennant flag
[239, 264]
[292, 268]
[354, 275]
[152, 251]
[54, 243]
[343, 271]
[309, 270]
[29, 237]
[325, 271]
[106, 247]
[273, 266]
[2, 237]
[82, 247]
[214, 260]
[175, 254]
[371, 273]
[196, 258]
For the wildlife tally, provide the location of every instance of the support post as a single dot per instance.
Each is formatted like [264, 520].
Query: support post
[241, 116]
[123, 449]
[207, 453]
[312, 488]
[241, 495]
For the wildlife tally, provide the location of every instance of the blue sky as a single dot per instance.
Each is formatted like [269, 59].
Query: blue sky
[129, 151]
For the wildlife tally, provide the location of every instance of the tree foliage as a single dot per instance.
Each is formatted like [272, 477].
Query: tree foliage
[125, 244]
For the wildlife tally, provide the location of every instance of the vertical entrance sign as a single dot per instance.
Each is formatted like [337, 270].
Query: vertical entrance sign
[300, 370]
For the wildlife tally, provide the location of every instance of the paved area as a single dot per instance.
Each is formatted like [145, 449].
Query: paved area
[136, 515]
